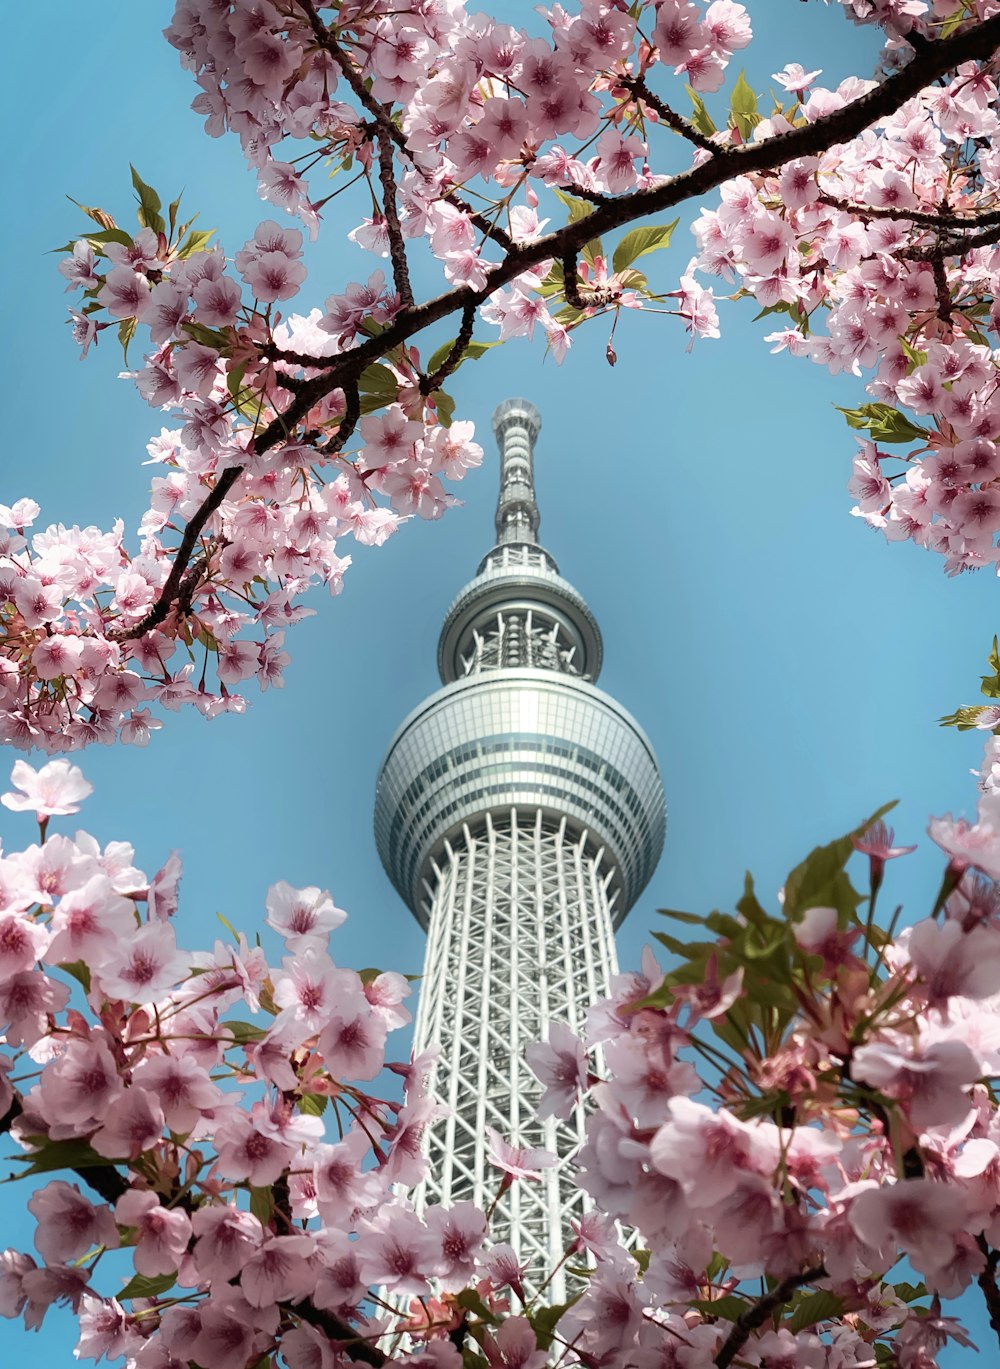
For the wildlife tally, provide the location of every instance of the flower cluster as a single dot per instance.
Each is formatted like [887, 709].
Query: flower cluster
[801, 1099]
[886, 236]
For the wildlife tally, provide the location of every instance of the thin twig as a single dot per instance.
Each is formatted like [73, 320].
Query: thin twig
[942, 219]
[429, 384]
[951, 247]
[182, 556]
[761, 1311]
[349, 421]
[640, 89]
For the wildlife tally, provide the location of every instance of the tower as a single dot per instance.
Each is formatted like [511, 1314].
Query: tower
[519, 812]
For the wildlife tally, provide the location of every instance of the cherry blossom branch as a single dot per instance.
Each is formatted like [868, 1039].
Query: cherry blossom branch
[169, 593]
[951, 247]
[345, 1336]
[352, 76]
[762, 1309]
[641, 90]
[944, 219]
[397, 248]
[932, 61]
[352, 412]
[593, 299]
[434, 382]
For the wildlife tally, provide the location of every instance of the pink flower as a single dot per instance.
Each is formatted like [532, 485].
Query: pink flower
[162, 1233]
[933, 1084]
[89, 923]
[917, 1216]
[134, 1124]
[278, 1271]
[79, 1086]
[181, 1086]
[245, 1152]
[145, 966]
[460, 1230]
[353, 1042]
[966, 843]
[68, 1223]
[22, 942]
[396, 1250]
[517, 1162]
[225, 1239]
[514, 1346]
[561, 1065]
[125, 293]
[794, 78]
[304, 917]
[58, 788]
[706, 1152]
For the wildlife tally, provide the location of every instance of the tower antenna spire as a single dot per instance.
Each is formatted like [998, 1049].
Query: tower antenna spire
[516, 425]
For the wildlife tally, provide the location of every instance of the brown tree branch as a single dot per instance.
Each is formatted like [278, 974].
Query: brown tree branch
[640, 89]
[352, 412]
[987, 1281]
[951, 247]
[943, 219]
[934, 59]
[761, 1311]
[165, 601]
[430, 383]
[593, 299]
[397, 248]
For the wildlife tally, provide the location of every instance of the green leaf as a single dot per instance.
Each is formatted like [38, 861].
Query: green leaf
[215, 338]
[234, 379]
[195, 242]
[640, 241]
[53, 1155]
[590, 251]
[472, 353]
[147, 1286]
[813, 1308]
[126, 332]
[964, 719]
[729, 1308]
[470, 1300]
[692, 919]
[98, 215]
[172, 209]
[313, 1104]
[149, 204]
[378, 388]
[743, 107]
[820, 881]
[918, 358]
[884, 423]
[79, 970]
[546, 1319]
[242, 1032]
[578, 209]
[701, 118]
[909, 1292]
[444, 407]
[98, 240]
[262, 1204]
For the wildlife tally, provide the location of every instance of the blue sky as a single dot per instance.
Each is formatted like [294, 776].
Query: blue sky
[788, 665]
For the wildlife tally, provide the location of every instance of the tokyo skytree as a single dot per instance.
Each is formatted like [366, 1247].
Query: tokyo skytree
[519, 812]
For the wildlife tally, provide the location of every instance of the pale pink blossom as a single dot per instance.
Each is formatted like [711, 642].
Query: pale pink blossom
[57, 789]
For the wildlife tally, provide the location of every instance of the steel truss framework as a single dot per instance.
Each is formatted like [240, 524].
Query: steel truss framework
[519, 937]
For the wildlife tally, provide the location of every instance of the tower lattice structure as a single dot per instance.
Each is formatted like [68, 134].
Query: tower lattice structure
[519, 813]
